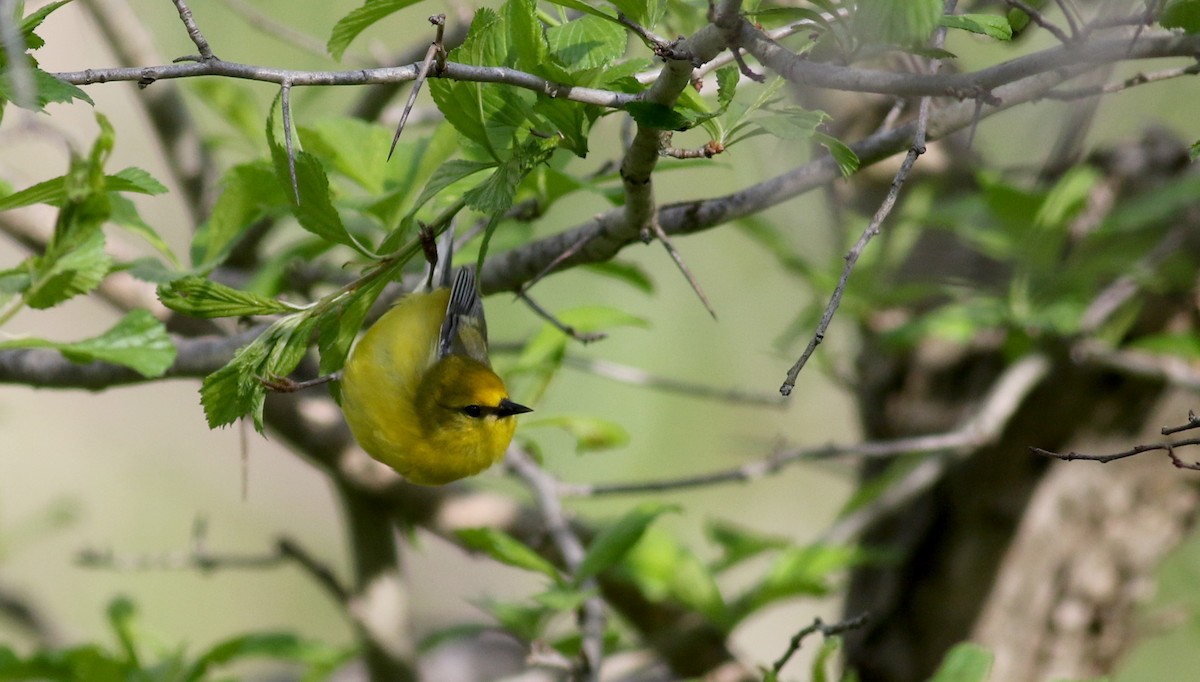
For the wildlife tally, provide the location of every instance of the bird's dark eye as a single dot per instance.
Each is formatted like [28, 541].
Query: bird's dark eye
[473, 411]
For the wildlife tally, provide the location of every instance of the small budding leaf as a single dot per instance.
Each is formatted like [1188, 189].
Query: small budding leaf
[507, 550]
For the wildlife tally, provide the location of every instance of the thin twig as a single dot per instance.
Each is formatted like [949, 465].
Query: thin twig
[915, 150]
[554, 262]
[1037, 18]
[682, 265]
[1169, 448]
[592, 618]
[582, 337]
[193, 31]
[1067, 94]
[1193, 422]
[652, 40]
[827, 631]
[998, 406]
[435, 49]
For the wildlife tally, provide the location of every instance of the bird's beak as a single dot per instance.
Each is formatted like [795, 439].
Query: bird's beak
[508, 408]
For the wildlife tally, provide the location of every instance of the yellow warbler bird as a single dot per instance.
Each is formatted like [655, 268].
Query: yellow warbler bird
[419, 393]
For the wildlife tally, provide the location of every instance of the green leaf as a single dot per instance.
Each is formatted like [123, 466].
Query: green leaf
[134, 179]
[580, 6]
[984, 24]
[644, 12]
[492, 117]
[655, 115]
[249, 191]
[523, 619]
[319, 658]
[507, 550]
[138, 342]
[799, 571]
[355, 148]
[1183, 14]
[339, 326]
[666, 570]
[589, 42]
[897, 22]
[47, 90]
[204, 298]
[495, 194]
[68, 271]
[793, 123]
[615, 541]
[966, 662]
[623, 271]
[727, 81]
[528, 37]
[738, 544]
[845, 157]
[233, 101]
[825, 656]
[125, 215]
[236, 389]
[590, 433]
[315, 211]
[348, 27]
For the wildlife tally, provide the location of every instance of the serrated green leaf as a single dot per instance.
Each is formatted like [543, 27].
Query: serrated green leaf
[590, 433]
[138, 342]
[204, 298]
[68, 271]
[488, 115]
[495, 194]
[47, 90]
[589, 42]
[507, 550]
[611, 545]
[340, 325]
[984, 24]
[348, 27]
[897, 22]
[727, 81]
[966, 662]
[1182, 14]
[315, 211]
[528, 37]
[135, 180]
[236, 390]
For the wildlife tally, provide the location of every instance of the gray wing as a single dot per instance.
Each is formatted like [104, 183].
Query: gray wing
[464, 331]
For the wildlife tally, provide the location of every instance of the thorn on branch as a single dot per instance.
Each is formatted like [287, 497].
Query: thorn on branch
[655, 42]
[435, 59]
[285, 92]
[683, 267]
[582, 337]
